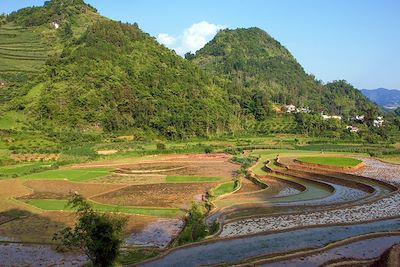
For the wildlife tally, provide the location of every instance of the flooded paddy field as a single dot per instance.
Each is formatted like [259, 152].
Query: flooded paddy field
[241, 249]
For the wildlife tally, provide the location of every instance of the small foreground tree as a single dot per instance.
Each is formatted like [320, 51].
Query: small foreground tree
[97, 235]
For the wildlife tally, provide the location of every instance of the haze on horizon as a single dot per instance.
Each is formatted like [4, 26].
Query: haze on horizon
[352, 40]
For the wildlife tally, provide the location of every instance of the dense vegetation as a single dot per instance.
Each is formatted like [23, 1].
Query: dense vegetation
[93, 77]
[261, 71]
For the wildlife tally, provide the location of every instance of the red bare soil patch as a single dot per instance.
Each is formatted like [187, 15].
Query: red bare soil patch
[131, 179]
[195, 164]
[156, 195]
[248, 186]
[64, 188]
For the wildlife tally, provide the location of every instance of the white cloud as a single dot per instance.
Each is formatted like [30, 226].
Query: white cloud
[192, 38]
[166, 39]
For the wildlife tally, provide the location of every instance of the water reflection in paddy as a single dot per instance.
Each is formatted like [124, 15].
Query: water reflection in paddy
[238, 249]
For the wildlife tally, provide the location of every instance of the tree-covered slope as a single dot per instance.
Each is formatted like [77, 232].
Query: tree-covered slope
[259, 69]
[64, 67]
[106, 75]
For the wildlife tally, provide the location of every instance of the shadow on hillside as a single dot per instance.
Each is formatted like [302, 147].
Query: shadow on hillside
[24, 226]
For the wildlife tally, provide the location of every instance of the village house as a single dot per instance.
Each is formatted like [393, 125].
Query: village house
[54, 25]
[303, 110]
[289, 108]
[378, 122]
[352, 128]
[327, 117]
[359, 118]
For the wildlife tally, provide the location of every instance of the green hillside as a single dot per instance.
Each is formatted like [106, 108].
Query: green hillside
[259, 70]
[101, 75]
[66, 68]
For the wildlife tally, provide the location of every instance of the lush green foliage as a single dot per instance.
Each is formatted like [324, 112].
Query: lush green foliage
[333, 161]
[260, 71]
[195, 228]
[98, 235]
[52, 11]
[93, 76]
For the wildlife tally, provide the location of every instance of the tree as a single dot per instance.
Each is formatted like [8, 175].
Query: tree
[98, 235]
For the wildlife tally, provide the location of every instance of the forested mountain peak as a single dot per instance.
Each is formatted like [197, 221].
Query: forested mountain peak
[248, 42]
[75, 69]
[260, 70]
[56, 11]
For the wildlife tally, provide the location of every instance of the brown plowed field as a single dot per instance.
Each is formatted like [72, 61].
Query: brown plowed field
[156, 195]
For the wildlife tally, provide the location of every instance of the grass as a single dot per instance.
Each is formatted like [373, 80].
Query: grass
[21, 169]
[61, 204]
[191, 179]
[21, 50]
[11, 120]
[137, 255]
[76, 175]
[331, 161]
[224, 188]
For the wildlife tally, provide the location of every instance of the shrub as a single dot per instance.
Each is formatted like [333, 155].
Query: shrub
[161, 146]
[98, 235]
[208, 149]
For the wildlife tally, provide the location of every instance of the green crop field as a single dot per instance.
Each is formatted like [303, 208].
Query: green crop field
[191, 179]
[61, 204]
[11, 120]
[277, 124]
[21, 169]
[224, 188]
[331, 161]
[76, 175]
[21, 50]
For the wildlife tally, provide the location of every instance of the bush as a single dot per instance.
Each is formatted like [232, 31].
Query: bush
[98, 235]
[195, 228]
[161, 146]
[208, 149]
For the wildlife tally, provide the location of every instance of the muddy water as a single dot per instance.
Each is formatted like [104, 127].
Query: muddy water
[363, 250]
[159, 233]
[36, 255]
[238, 249]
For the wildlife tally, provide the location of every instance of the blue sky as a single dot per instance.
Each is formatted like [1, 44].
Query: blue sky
[355, 40]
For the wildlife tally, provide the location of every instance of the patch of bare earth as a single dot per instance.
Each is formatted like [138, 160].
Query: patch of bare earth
[107, 152]
[34, 157]
[64, 188]
[195, 164]
[131, 179]
[37, 227]
[248, 186]
[156, 195]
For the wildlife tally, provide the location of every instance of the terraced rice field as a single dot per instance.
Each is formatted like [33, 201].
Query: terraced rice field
[154, 201]
[326, 211]
[21, 50]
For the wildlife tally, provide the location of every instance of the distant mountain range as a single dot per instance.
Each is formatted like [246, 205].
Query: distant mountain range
[386, 98]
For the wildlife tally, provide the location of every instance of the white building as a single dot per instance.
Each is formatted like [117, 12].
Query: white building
[55, 25]
[327, 117]
[378, 122]
[289, 108]
[359, 118]
[352, 128]
[303, 110]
